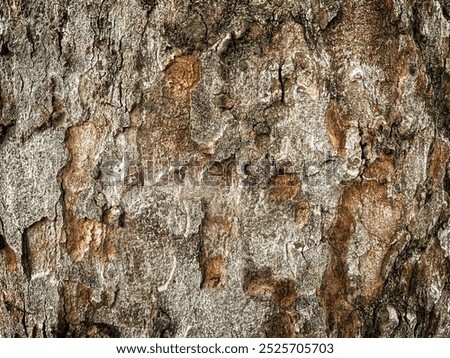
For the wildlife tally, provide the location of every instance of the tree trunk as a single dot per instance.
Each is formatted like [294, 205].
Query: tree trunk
[224, 168]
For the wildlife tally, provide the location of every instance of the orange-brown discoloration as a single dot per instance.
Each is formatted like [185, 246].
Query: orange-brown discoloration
[281, 325]
[389, 5]
[216, 226]
[89, 235]
[214, 272]
[302, 211]
[369, 204]
[381, 170]
[284, 187]
[82, 234]
[409, 63]
[283, 292]
[163, 115]
[216, 231]
[78, 299]
[405, 58]
[433, 266]
[256, 31]
[183, 75]
[334, 286]
[337, 127]
[82, 144]
[10, 258]
[423, 87]
[438, 161]
[258, 282]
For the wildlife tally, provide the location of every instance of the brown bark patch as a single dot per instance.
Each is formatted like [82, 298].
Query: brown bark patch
[10, 258]
[404, 61]
[86, 235]
[77, 298]
[282, 292]
[259, 282]
[83, 234]
[337, 127]
[302, 211]
[183, 75]
[82, 144]
[433, 266]
[281, 325]
[216, 231]
[369, 204]
[78, 301]
[334, 283]
[438, 161]
[284, 187]
[381, 170]
[214, 272]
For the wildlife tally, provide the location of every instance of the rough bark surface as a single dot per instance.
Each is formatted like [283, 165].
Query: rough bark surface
[224, 168]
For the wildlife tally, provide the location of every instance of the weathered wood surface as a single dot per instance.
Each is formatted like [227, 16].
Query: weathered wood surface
[224, 168]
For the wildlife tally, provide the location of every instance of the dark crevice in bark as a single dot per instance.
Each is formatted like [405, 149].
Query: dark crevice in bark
[5, 130]
[281, 81]
[404, 288]
[24, 319]
[4, 51]
[309, 31]
[445, 6]
[10, 307]
[26, 255]
[62, 326]
[148, 6]
[3, 243]
[163, 327]
[447, 181]
[44, 329]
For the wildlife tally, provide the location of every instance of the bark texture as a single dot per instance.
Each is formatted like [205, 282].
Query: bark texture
[224, 168]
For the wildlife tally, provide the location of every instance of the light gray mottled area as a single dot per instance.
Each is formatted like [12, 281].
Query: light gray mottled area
[224, 168]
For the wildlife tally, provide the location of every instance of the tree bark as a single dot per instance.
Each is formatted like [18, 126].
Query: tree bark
[224, 168]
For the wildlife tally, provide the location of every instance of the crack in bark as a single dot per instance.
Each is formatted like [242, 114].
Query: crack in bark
[281, 81]
[26, 255]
